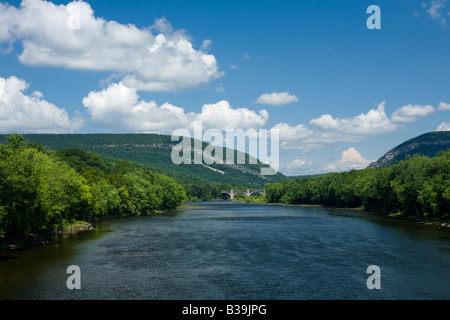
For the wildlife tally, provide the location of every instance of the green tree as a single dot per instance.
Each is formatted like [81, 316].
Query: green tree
[15, 141]
[36, 192]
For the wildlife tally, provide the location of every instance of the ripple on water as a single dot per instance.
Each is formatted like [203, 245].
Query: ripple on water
[239, 251]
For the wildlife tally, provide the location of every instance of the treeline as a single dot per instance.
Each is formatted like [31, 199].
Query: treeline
[416, 187]
[43, 191]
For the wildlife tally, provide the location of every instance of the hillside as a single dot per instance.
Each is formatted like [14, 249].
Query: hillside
[154, 152]
[428, 144]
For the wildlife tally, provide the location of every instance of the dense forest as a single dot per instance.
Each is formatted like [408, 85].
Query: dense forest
[153, 151]
[417, 187]
[42, 191]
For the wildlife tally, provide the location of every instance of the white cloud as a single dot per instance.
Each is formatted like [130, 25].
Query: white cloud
[375, 121]
[443, 106]
[164, 61]
[277, 98]
[206, 44]
[222, 116]
[350, 159]
[288, 132]
[31, 113]
[119, 106]
[296, 163]
[8, 16]
[434, 10]
[220, 89]
[328, 129]
[444, 126]
[409, 113]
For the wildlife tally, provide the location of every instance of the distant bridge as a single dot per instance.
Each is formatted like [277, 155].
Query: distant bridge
[247, 192]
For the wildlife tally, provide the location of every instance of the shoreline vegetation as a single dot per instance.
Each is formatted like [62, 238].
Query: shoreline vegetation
[417, 189]
[437, 223]
[43, 240]
[77, 226]
[43, 192]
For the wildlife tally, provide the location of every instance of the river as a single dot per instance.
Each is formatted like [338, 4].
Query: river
[237, 251]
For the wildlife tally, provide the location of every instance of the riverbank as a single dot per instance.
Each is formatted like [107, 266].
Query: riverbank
[437, 223]
[40, 240]
[78, 226]
[421, 220]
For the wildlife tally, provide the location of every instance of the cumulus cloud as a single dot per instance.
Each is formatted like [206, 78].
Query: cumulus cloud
[277, 98]
[119, 106]
[373, 122]
[444, 126]
[410, 113]
[328, 129]
[31, 113]
[288, 132]
[222, 116]
[350, 159]
[443, 106]
[154, 58]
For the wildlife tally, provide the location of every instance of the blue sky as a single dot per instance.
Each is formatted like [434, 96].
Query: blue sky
[339, 94]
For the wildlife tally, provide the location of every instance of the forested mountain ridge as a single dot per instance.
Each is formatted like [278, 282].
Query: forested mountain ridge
[427, 144]
[154, 151]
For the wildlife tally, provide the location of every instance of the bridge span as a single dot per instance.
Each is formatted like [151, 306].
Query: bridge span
[247, 192]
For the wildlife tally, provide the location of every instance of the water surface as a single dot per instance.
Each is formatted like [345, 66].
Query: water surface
[227, 250]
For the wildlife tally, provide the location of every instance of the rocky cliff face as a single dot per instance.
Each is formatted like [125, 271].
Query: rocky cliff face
[428, 144]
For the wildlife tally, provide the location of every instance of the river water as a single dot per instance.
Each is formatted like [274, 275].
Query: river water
[237, 251]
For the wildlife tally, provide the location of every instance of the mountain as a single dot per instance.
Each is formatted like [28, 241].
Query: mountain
[306, 176]
[428, 144]
[153, 151]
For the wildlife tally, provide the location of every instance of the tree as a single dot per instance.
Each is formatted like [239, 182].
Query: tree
[15, 141]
